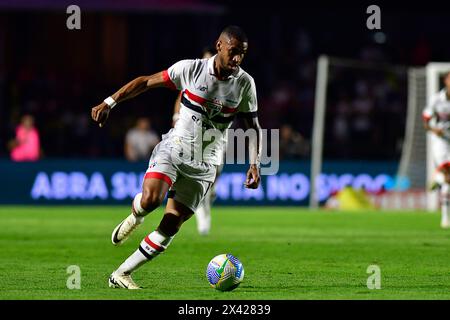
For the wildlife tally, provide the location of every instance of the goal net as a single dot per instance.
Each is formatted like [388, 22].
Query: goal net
[359, 118]
[416, 162]
[368, 111]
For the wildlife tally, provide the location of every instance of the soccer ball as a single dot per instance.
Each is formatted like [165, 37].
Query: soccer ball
[225, 272]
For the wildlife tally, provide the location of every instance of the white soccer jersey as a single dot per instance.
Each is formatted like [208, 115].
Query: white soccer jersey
[438, 112]
[209, 103]
[438, 115]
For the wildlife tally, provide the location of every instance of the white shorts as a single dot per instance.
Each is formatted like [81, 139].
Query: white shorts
[440, 149]
[189, 180]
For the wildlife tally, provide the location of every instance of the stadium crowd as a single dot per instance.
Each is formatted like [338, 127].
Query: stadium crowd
[366, 110]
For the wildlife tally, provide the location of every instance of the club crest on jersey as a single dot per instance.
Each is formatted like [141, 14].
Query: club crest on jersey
[213, 107]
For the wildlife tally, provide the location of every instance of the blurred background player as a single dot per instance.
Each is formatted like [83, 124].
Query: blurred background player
[292, 144]
[436, 118]
[140, 140]
[26, 145]
[203, 213]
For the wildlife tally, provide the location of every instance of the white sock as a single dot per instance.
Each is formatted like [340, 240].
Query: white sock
[203, 216]
[150, 247]
[203, 213]
[445, 199]
[138, 211]
[133, 262]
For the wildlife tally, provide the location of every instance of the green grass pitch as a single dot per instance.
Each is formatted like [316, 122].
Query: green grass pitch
[288, 253]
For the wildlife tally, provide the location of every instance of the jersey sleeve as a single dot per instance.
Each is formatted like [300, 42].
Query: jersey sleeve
[249, 102]
[177, 76]
[429, 110]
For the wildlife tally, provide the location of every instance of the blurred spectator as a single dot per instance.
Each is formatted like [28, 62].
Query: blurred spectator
[362, 124]
[341, 125]
[26, 145]
[292, 144]
[279, 105]
[372, 52]
[140, 140]
[368, 122]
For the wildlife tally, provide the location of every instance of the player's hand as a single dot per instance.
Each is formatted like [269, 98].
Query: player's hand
[438, 132]
[100, 113]
[253, 177]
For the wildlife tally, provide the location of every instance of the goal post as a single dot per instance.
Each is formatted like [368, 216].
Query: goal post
[330, 72]
[413, 158]
[415, 161]
[318, 127]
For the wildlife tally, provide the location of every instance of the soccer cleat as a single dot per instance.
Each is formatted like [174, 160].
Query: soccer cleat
[124, 229]
[445, 224]
[124, 281]
[203, 233]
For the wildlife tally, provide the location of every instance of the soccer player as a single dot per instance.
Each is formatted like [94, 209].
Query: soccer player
[436, 118]
[214, 91]
[203, 212]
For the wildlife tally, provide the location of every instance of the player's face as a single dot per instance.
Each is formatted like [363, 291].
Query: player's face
[231, 53]
[447, 81]
[28, 121]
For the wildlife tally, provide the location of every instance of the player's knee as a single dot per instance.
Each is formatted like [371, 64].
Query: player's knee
[151, 200]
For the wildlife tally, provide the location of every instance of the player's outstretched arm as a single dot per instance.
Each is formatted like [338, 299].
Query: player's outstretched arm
[428, 127]
[255, 147]
[429, 117]
[133, 88]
